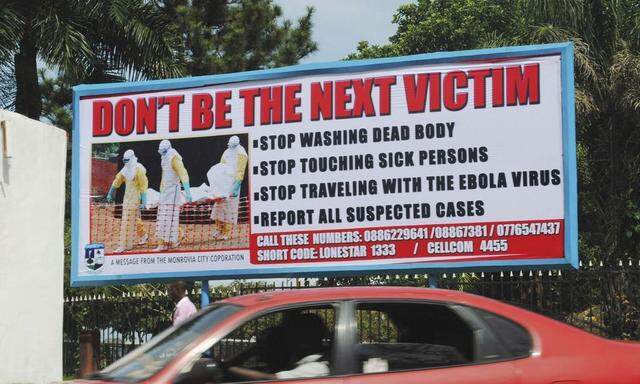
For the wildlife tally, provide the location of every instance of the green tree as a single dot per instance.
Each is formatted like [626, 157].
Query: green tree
[432, 26]
[222, 36]
[84, 41]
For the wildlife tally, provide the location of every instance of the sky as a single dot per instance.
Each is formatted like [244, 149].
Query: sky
[340, 24]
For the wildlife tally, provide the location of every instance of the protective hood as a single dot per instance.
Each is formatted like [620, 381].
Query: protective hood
[234, 148]
[130, 165]
[234, 141]
[164, 147]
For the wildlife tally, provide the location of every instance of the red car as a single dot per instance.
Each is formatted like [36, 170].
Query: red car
[374, 335]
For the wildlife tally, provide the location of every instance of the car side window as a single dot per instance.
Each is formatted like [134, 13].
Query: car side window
[401, 336]
[513, 337]
[245, 340]
[286, 344]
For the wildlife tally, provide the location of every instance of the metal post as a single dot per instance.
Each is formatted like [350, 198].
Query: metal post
[89, 343]
[433, 281]
[204, 294]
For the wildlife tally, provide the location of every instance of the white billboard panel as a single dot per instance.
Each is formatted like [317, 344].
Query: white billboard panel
[463, 160]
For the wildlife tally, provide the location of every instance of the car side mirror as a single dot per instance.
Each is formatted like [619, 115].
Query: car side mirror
[204, 370]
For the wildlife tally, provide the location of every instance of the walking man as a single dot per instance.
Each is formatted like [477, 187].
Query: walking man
[134, 176]
[225, 179]
[184, 307]
[170, 201]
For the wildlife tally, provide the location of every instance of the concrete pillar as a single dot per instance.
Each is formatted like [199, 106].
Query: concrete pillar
[32, 172]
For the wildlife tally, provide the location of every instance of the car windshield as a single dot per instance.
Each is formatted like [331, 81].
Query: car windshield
[150, 358]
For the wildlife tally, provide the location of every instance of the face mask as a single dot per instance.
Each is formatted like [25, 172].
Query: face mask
[164, 147]
[233, 142]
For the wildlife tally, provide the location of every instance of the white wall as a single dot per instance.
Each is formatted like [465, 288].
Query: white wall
[31, 250]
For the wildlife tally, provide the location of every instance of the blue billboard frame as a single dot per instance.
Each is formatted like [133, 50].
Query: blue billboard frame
[565, 50]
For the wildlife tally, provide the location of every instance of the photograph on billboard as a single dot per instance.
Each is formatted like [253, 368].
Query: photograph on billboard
[446, 161]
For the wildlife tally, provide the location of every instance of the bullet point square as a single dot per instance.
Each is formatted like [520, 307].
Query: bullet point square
[256, 196]
[255, 143]
[255, 170]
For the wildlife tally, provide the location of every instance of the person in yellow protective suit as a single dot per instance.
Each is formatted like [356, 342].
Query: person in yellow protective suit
[225, 179]
[134, 176]
[170, 201]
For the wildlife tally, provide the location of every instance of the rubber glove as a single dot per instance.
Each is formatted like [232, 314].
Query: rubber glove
[143, 200]
[110, 194]
[235, 189]
[187, 192]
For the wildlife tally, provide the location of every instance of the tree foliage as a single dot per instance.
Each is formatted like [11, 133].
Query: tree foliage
[222, 36]
[83, 41]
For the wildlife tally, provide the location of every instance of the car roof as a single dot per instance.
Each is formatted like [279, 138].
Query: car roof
[302, 295]
[265, 300]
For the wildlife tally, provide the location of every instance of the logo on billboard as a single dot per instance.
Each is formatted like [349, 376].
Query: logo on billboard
[94, 256]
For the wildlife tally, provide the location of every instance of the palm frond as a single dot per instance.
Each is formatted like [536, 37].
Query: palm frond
[140, 42]
[585, 103]
[493, 39]
[625, 78]
[563, 13]
[586, 65]
[7, 86]
[61, 37]
[11, 25]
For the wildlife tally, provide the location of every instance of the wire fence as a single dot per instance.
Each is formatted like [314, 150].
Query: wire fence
[205, 224]
[598, 299]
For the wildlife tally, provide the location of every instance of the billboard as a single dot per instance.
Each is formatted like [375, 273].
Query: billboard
[459, 160]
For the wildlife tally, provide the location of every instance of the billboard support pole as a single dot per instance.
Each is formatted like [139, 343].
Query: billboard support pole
[433, 281]
[204, 294]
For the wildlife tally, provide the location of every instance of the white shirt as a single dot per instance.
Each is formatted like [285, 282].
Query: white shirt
[307, 367]
[184, 310]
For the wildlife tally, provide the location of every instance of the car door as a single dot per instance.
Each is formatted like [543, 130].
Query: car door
[263, 343]
[424, 342]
